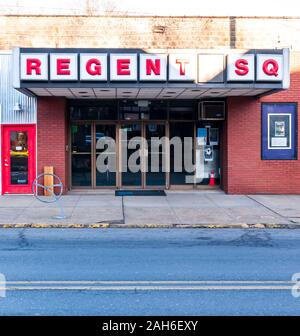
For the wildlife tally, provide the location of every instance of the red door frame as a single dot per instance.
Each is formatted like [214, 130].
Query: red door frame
[7, 187]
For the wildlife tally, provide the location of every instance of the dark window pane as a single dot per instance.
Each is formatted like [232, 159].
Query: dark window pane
[183, 110]
[81, 170]
[129, 133]
[178, 174]
[93, 110]
[144, 110]
[156, 155]
[81, 138]
[105, 164]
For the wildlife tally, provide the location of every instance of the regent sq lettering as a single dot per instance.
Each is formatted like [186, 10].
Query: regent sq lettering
[35, 67]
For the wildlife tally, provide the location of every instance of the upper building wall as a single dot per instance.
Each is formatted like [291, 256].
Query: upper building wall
[9, 97]
[148, 32]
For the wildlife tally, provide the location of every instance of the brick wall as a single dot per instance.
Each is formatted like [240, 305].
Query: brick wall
[245, 172]
[243, 169]
[138, 32]
[52, 136]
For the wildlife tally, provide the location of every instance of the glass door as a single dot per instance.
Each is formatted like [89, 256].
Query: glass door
[182, 153]
[18, 166]
[81, 151]
[105, 153]
[131, 152]
[138, 154]
[155, 154]
[143, 154]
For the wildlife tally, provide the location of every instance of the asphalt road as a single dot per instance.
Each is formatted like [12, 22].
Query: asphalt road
[149, 271]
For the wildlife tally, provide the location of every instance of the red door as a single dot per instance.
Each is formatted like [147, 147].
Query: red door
[18, 158]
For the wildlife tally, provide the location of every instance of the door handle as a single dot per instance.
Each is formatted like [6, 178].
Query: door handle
[6, 164]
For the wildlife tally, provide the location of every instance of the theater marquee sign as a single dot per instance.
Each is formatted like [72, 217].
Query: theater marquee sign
[95, 67]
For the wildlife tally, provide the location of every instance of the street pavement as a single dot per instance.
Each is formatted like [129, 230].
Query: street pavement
[149, 271]
[186, 208]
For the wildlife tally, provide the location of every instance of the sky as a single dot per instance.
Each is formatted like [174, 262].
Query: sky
[153, 7]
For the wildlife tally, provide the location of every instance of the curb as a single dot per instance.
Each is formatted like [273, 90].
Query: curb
[148, 226]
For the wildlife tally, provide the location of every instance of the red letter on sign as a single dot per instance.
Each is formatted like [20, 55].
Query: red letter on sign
[33, 64]
[96, 69]
[154, 67]
[242, 67]
[182, 63]
[63, 66]
[270, 67]
[123, 67]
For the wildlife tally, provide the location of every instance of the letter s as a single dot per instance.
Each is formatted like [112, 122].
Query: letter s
[242, 68]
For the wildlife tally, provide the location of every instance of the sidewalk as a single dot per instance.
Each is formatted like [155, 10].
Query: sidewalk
[177, 209]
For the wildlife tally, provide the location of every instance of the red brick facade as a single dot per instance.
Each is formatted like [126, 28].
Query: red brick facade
[52, 136]
[243, 170]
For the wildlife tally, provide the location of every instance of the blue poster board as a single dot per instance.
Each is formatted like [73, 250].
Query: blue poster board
[279, 131]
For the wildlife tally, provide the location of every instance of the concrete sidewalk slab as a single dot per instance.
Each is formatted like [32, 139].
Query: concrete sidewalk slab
[151, 216]
[177, 209]
[285, 205]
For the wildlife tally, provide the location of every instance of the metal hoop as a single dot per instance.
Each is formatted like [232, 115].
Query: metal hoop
[36, 185]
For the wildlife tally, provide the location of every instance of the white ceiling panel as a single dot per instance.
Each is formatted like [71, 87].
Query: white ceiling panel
[83, 92]
[170, 93]
[41, 92]
[215, 93]
[127, 92]
[191, 93]
[149, 92]
[60, 92]
[255, 92]
[105, 93]
[237, 92]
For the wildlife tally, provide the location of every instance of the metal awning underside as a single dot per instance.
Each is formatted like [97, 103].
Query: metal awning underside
[145, 93]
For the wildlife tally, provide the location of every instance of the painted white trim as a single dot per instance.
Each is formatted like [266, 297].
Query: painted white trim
[0, 152]
[286, 81]
[16, 68]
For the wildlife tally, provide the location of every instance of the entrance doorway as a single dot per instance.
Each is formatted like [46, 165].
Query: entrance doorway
[127, 163]
[18, 159]
[143, 155]
[133, 154]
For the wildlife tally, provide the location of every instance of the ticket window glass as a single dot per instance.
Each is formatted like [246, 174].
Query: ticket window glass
[207, 153]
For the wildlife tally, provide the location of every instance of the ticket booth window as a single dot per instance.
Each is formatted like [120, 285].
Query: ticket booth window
[279, 131]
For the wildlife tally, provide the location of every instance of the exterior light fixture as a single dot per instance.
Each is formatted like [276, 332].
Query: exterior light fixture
[159, 29]
[18, 107]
